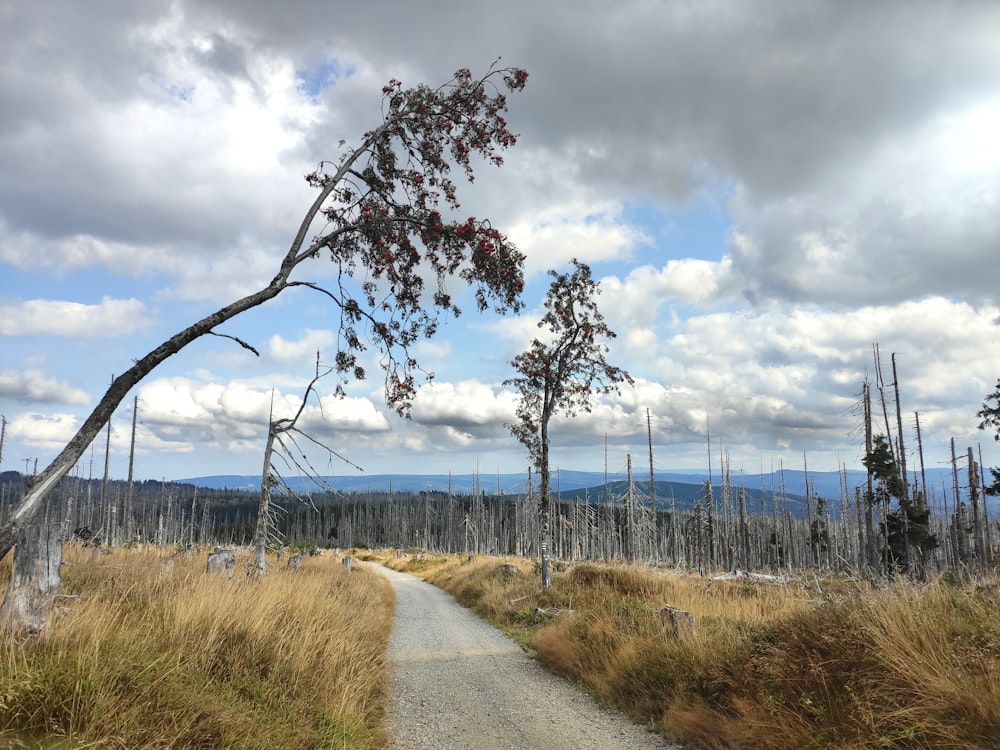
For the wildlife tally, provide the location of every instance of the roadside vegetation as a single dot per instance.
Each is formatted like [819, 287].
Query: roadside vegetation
[804, 664]
[155, 653]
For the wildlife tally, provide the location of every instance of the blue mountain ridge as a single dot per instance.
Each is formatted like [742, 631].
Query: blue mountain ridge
[792, 482]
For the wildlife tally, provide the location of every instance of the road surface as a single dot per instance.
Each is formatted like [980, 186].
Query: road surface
[461, 684]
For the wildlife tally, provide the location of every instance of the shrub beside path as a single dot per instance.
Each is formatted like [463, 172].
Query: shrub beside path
[461, 684]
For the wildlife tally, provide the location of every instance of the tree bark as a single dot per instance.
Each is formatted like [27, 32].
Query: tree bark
[34, 580]
[544, 516]
[264, 512]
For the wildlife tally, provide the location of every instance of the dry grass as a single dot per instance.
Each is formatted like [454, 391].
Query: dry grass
[157, 654]
[906, 666]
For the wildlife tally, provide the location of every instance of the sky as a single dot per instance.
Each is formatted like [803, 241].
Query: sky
[765, 191]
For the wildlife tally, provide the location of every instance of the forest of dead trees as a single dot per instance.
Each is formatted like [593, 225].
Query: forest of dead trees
[895, 523]
[726, 527]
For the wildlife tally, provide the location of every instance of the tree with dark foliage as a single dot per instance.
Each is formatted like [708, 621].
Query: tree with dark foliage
[990, 416]
[906, 527]
[560, 375]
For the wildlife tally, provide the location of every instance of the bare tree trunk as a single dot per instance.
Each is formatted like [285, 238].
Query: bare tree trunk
[264, 512]
[3, 432]
[652, 475]
[743, 531]
[128, 522]
[103, 532]
[37, 557]
[709, 510]
[871, 553]
[958, 526]
[629, 515]
[899, 435]
[986, 512]
[979, 540]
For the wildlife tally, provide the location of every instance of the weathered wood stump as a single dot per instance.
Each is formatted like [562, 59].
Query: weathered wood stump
[347, 563]
[35, 579]
[677, 622]
[295, 562]
[221, 561]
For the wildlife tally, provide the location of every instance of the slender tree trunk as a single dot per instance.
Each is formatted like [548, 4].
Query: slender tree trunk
[959, 532]
[652, 475]
[986, 512]
[709, 510]
[743, 531]
[871, 552]
[978, 537]
[104, 484]
[3, 432]
[128, 522]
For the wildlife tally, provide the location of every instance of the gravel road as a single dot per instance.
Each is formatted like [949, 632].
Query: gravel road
[461, 684]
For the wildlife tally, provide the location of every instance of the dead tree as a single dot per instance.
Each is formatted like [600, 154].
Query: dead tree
[37, 556]
[281, 442]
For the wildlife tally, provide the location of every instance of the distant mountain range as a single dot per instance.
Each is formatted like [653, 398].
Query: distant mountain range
[680, 484]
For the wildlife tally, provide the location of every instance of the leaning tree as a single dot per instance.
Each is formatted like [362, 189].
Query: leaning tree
[386, 217]
[560, 375]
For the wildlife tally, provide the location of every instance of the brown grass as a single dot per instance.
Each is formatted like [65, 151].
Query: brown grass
[157, 654]
[906, 666]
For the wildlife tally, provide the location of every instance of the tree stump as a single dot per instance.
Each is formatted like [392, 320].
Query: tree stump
[679, 622]
[35, 579]
[295, 562]
[347, 563]
[221, 561]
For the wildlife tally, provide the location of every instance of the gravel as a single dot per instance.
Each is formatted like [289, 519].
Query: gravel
[461, 684]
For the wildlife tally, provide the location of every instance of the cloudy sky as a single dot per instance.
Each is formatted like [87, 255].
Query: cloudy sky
[764, 189]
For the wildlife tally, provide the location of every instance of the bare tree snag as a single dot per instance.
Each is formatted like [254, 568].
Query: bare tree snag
[37, 557]
[221, 561]
[278, 430]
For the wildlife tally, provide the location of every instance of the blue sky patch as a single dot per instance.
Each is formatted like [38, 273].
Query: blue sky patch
[312, 82]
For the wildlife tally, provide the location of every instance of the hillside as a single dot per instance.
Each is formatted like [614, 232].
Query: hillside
[684, 486]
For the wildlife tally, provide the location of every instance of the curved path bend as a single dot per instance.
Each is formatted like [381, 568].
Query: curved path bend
[461, 684]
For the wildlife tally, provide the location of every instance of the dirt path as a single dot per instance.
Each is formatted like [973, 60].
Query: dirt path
[460, 684]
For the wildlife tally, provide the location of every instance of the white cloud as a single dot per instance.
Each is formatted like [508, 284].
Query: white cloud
[42, 431]
[587, 231]
[35, 385]
[235, 415]
[468, 405]
[303, 350]
[111, 317]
